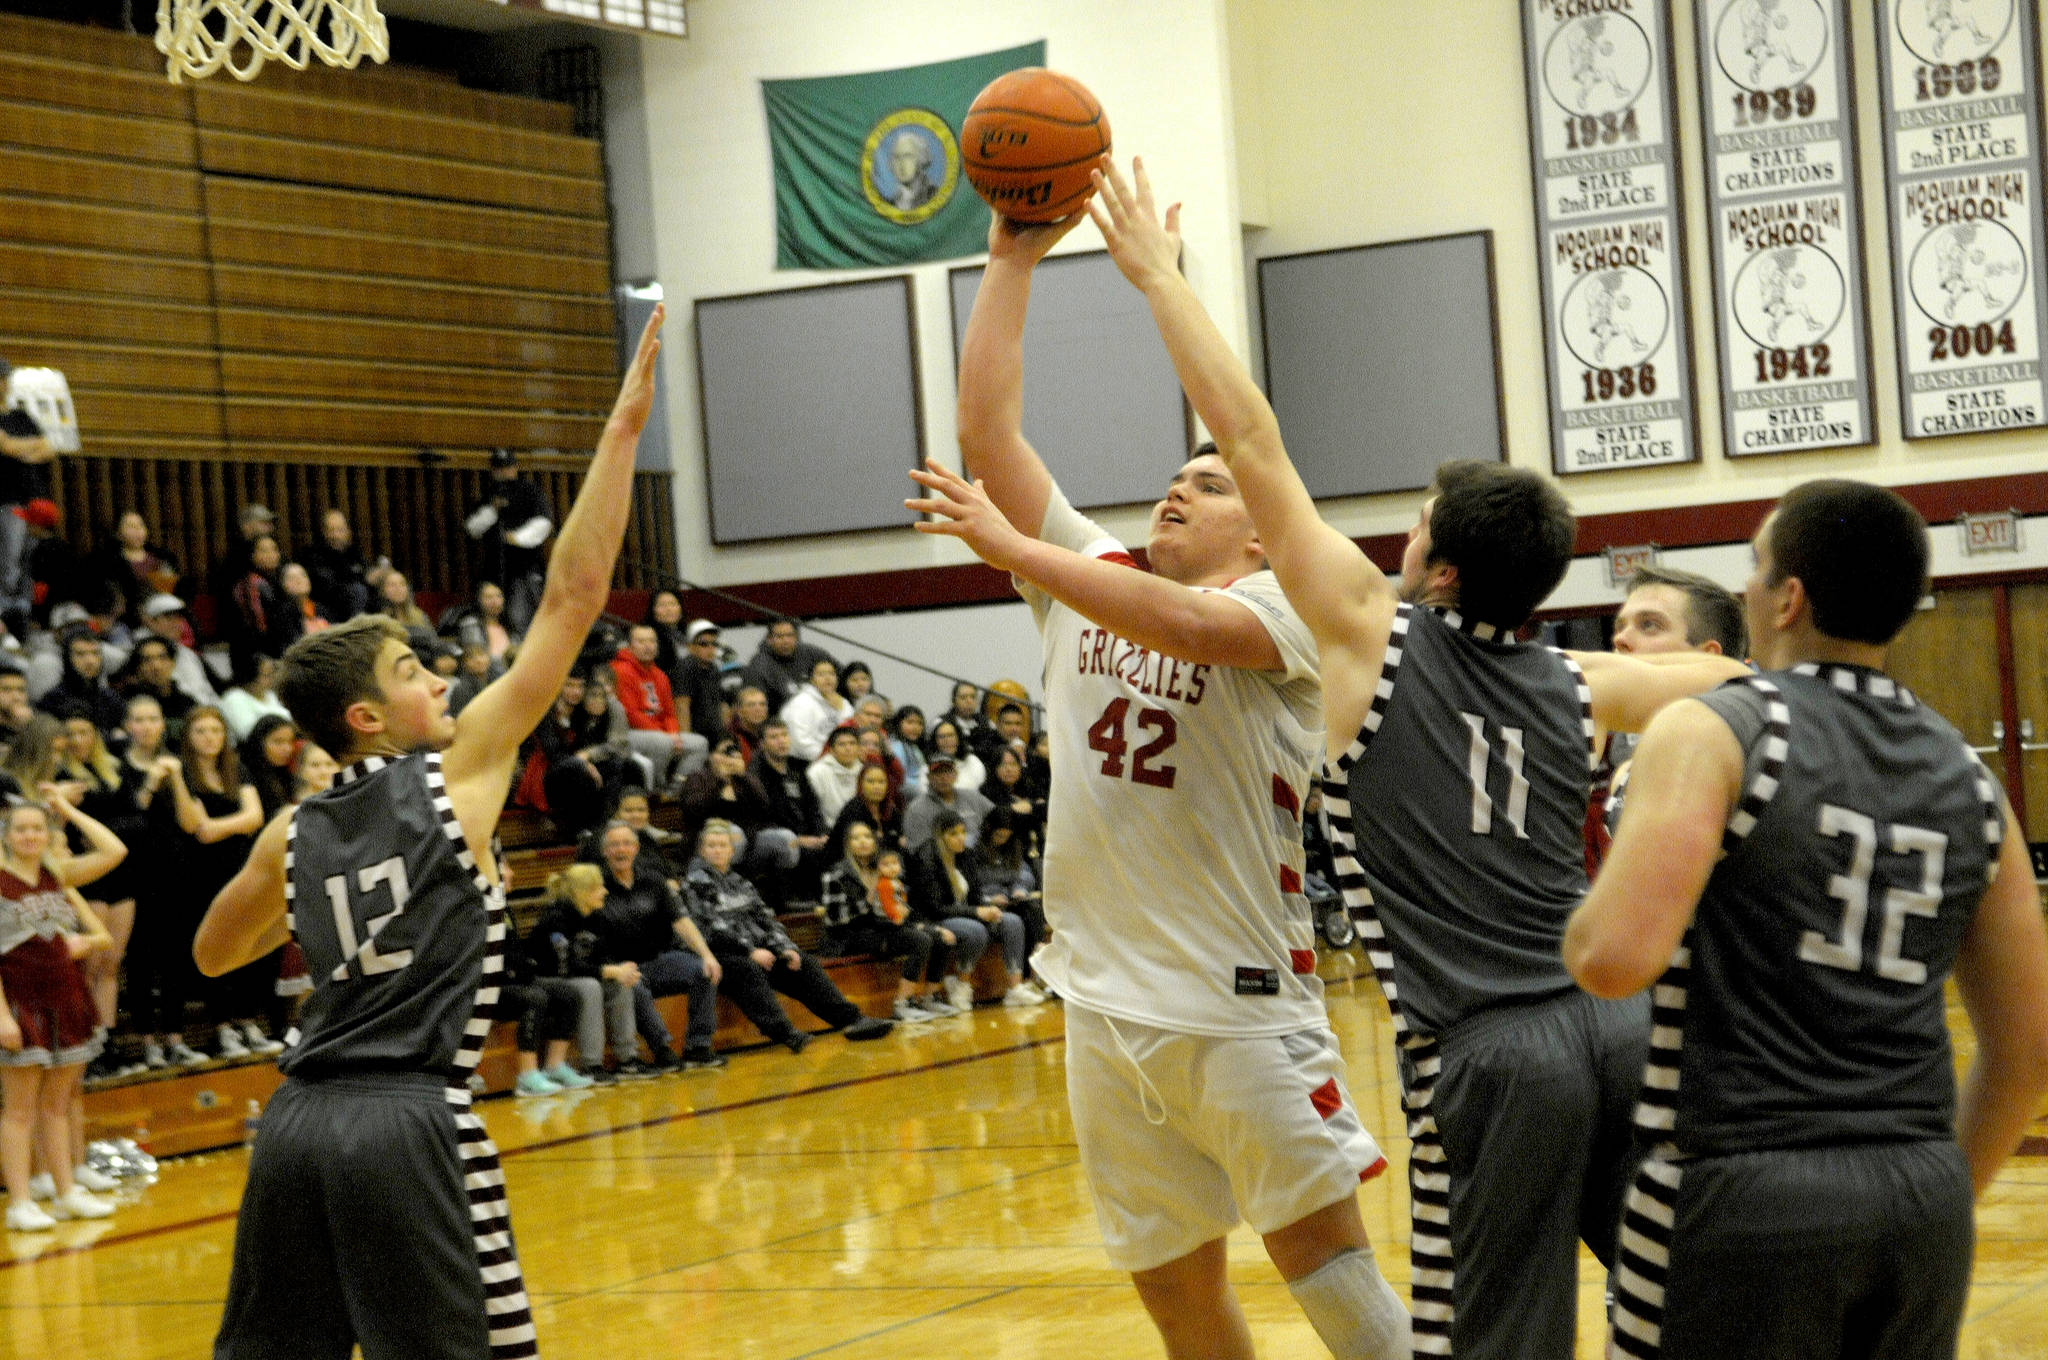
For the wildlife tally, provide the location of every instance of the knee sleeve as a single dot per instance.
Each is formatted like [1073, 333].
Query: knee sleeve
[1354, 1310]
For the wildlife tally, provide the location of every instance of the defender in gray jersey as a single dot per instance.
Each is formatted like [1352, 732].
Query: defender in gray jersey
[375, 1213]
[1803, 860]
[1488, 794]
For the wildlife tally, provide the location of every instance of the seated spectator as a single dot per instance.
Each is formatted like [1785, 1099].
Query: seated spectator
[875, 806]
[135, 567]
[871, 714]
[482, 623]
[644, 923]
[835, 775]
[30, 764]
[659, 850]
[758, 956]
[164, 615]
[941, 796]
[906, 744]
[297, 584]
[152, 671]
[552, 1004]
[1010, 729]
[1010, 876]
[51, 564]
[473, 671]
[946, 891]
[261, 620]
[749, 712]
[253, 695]
[947, 741]
[783, 665]
[1005, 788]
[394, 598]
[254, 520]
[792, 807]
[576, 763]
[665, 612]
[342, 584]
[866, 912]
[857, 682]
[695, 681]
[82, 685]
[723, 789]
[815, 710]
[874, 750]
[313, 770]
[563, 944]
[965, 712]
[656, 731]
[15, 708]
[267, 754]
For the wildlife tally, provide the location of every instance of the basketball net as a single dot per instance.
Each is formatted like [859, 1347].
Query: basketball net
[199, 37]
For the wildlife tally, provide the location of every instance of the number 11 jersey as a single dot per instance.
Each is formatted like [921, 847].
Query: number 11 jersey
[1173, 855]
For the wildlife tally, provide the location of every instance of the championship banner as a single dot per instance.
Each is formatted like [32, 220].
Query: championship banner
[1778, 97]
[867, 167]
[1962, 127]
[1602, 134]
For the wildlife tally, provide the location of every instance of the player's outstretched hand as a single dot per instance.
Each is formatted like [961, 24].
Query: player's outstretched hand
[1145, 248]
[1027, 243]
[636, 389]
[966, 513]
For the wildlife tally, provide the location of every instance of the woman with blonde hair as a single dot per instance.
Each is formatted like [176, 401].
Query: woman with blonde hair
[560, 956]
[109, 788]
[49, 1029]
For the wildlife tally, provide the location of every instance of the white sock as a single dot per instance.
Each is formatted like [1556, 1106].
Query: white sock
[1354, 1310]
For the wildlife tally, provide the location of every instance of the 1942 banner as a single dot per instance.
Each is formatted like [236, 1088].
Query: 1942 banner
[1962, 124]
[1777, 97]
[1602, 134]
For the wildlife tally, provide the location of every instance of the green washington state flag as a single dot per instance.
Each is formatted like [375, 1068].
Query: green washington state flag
[867, 167]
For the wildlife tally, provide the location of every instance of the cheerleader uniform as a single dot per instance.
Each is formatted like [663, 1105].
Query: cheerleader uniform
[46, 993]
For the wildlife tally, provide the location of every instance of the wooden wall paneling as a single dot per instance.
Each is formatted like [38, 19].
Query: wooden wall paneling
[305, 290]
[347, 167]
[348, 122]
[93, 225]
[113, 136]
[56, 316]
[279, 332]
[304, 377]
[142, 366]
[114, 411]
[390, 422]
[347, 253]
[68, 84]
[1948, 656]
[88, 179]
[2030, 677]
[100, 272]
[374, 214]
[407, 88]
[79, 43]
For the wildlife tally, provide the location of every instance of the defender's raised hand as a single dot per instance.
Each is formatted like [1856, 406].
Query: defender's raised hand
[967, 514]
[1144, 248]
[636, 389]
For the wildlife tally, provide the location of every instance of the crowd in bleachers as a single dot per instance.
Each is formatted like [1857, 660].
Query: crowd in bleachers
[804, 798]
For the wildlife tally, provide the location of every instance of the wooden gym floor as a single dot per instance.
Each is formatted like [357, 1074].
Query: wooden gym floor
[916, 1196]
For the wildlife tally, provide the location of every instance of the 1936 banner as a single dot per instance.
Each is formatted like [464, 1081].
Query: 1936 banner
[1777, 97]
[1602, 134]
[1962, 124]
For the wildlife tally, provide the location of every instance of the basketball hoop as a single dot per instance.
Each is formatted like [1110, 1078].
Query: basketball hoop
[199, 37]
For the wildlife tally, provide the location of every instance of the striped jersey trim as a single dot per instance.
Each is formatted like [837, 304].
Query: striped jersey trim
[366, 767]
[1591, 728]
[1858, 680]
[1383, 695]
[291, 923]
[484, 1010]
[1777, 743]
[1642, 1259]
[1485, 632]
[1994, 813]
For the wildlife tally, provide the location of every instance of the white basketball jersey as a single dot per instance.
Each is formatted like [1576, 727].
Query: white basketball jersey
[1173, 859]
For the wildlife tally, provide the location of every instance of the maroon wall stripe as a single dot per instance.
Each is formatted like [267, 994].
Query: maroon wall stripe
[1695, 526]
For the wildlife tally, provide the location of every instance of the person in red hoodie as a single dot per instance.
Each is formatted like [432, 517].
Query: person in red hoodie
[656, 732]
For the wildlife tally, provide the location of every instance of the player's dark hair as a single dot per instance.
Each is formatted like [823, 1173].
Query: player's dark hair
[1508, 532]
[1859, 550]
[1711, 610]
[323, 673]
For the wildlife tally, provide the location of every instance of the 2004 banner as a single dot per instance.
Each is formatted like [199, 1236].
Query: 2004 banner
[1777, 98]
[1962, 123]
[1603, 139]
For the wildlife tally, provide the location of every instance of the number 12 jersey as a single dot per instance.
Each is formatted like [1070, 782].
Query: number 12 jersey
[1173, 856]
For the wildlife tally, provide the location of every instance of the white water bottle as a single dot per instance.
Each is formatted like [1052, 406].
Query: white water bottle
[251, 1119]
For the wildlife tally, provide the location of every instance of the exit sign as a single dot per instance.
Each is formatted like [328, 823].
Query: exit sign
[1622, 563]
[1991, 532]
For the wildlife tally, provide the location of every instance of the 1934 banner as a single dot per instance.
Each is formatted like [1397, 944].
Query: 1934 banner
[1602, 135]
[1777, 97]
[1962, 123]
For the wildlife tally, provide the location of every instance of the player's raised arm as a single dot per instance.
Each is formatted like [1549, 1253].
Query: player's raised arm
[991, 410]
[1629, 690]
[246, 918]
[488, 734]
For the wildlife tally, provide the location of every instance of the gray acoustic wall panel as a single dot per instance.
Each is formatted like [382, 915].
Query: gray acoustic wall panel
[1383, 361]
[1101, 403]
[812, 415]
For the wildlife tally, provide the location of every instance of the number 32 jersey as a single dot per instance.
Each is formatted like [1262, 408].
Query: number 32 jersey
[1173, 857]
[403, 936]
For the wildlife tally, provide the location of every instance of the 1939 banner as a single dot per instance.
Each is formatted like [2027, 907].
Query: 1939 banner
[1602, 135]
[1777, 98]
[1962, 123]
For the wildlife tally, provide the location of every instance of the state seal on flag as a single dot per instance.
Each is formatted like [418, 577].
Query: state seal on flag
[910, 165]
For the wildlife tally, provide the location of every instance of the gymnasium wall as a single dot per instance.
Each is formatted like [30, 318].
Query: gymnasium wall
[1410, 120]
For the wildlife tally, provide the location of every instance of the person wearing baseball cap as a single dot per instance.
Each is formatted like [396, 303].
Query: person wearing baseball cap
[164, 615]
[700, 702]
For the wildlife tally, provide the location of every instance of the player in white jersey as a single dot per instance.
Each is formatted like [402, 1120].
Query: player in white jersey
[1185, 715]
